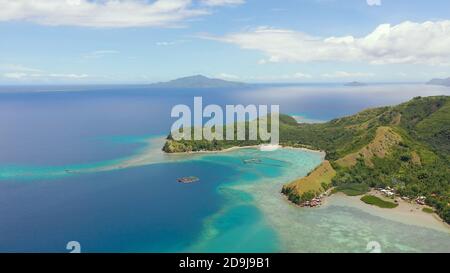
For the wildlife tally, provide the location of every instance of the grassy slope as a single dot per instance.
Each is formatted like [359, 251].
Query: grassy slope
[406, 147]
[315, 182]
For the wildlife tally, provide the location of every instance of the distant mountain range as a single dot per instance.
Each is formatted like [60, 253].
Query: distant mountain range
[444, 82]
[198, 81]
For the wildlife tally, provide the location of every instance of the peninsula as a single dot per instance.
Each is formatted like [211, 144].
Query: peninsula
[405, 148]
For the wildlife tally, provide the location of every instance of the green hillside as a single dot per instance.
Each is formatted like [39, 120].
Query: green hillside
[406, 147]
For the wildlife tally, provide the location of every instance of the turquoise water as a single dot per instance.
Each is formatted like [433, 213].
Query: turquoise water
[235, 207]
[21, 173]
[213, 215]
[87, 166]
[240, 226]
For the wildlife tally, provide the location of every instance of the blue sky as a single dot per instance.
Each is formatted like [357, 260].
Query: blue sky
[138, 41]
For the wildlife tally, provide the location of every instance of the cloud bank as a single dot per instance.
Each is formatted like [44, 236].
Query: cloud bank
[107, 13]
[223, 2]
[344, 74]
[405, 43]
[42, 76]
[23, 73]
[374, 2]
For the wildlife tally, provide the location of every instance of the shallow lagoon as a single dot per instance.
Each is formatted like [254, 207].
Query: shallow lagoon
[117, 198]
[235, 207]
[143, 208]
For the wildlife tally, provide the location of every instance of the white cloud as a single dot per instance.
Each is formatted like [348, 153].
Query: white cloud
[344, 74]
[407, 42]
[97, 54]
[69, 76]
[223, 2]
[17, 71]
[171, 43]
[165, 43]
[281, 78]
[106, 13]
[17, 68]
[15, 75]
[271, 78]
[301, 75]
[374, 2]
[22, 73]
[23, 76]
[227, 76]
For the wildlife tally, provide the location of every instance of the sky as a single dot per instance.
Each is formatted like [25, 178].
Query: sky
[301, 41]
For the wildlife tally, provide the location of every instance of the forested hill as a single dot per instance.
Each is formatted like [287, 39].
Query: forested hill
[406, 147]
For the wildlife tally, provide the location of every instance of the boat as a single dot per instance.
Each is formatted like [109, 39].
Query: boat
[187, 180]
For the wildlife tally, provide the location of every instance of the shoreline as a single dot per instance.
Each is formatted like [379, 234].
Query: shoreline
[406, 212]
[152, 153]
[409, 213]
[234, 148]
[323, 153]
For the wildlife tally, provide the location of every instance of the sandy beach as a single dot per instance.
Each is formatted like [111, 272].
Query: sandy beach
[231, 149]
[405, 212]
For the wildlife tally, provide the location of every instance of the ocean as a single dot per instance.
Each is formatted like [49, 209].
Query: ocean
[84, 164]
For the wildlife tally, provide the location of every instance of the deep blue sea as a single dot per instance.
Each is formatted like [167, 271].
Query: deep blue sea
[109, 205]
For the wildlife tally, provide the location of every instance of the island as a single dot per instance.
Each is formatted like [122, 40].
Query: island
[443, 82]
[401, 151]
[355, 84]
[198, 81]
